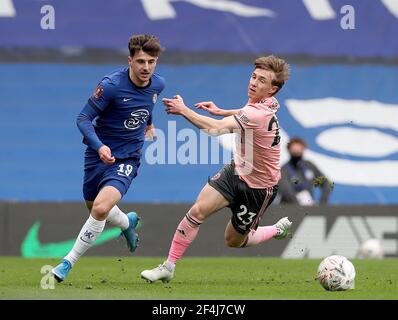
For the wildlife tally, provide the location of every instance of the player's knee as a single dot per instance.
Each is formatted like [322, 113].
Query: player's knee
[99, 210]
[197, 211]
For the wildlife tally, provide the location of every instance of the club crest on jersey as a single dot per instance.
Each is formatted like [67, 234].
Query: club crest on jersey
[98, 92]
[137, 118]
[155, 98]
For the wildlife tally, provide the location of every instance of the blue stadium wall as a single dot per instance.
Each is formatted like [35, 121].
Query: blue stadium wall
[346, 113]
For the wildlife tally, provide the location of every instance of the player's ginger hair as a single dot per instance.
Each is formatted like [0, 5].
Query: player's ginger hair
[276, 65]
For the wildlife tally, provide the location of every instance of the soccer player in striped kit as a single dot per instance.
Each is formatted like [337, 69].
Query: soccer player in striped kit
[247, 185]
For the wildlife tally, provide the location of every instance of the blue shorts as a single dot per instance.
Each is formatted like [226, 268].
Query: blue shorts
[97, 175]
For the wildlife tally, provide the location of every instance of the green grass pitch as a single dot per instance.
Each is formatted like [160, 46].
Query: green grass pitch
[195, 278]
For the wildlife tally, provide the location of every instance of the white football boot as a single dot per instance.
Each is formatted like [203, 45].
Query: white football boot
[162, 272]
[282, 227]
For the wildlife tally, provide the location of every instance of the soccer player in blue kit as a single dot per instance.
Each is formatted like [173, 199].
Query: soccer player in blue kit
[114, 123]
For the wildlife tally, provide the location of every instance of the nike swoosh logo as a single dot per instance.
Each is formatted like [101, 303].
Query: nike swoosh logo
[127, 99]
[32, 247]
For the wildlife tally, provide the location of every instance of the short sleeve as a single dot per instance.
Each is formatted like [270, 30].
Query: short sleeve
[102, 95]
[250, 117]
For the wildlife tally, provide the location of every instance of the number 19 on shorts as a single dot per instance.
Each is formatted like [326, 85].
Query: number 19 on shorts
[125, 170]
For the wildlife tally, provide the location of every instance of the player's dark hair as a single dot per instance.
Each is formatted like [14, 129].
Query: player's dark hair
[276, 65]
[296, 140]
[147, 43]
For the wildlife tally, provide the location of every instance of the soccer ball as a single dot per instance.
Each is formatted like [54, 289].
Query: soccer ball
[371, 249]
[336, 273]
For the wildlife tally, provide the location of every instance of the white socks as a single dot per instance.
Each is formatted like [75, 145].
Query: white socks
[118, 218]
[87, 236]
[92, 229]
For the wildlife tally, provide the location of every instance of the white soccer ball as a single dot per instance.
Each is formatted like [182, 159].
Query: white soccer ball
[371, 249]
[336, 273]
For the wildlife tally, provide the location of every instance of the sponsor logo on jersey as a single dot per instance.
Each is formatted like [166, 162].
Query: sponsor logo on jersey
[155, 98]
[137, 118]
[244, 118]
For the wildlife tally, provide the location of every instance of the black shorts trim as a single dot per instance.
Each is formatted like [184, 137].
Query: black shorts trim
[268, 196]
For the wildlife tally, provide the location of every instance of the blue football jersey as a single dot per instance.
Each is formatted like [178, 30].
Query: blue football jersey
[124, 110]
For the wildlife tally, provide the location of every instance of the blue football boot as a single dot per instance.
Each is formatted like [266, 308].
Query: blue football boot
[130, 234]
[61, 271]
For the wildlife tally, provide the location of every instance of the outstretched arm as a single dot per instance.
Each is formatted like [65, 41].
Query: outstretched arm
[213, 126]
[213, 109]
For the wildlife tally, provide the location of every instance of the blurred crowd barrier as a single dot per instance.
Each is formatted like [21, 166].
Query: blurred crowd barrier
[38, 230]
